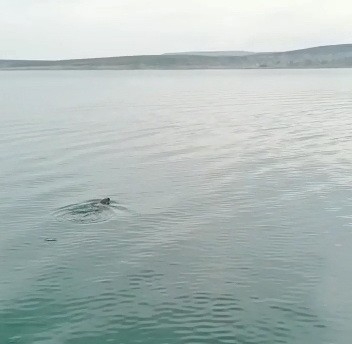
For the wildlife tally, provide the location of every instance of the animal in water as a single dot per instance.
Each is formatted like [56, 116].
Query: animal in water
[105, 201]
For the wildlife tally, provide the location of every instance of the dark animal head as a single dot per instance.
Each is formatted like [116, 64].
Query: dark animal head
[105, 201]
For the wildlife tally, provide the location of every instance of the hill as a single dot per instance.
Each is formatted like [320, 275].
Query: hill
[214, 53]
[333, 56]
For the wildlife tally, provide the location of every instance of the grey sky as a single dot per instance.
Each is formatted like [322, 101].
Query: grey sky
[50, 29]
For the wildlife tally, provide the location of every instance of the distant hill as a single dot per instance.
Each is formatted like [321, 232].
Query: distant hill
[214, 53]
[332, 56]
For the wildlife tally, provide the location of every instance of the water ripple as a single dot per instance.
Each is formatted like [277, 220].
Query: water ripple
[91, 211]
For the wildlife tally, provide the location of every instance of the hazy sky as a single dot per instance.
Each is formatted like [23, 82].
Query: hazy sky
[53, 29]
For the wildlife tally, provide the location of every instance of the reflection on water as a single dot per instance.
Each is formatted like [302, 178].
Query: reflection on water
[231, 220]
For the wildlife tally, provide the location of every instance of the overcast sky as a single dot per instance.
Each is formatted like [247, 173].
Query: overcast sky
[54, 29]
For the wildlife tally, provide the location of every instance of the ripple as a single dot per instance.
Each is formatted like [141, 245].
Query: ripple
[91, 211]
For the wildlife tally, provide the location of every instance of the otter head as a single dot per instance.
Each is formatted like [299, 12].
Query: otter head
[105, 201]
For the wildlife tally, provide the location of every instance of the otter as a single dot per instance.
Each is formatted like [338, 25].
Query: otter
[105, 201]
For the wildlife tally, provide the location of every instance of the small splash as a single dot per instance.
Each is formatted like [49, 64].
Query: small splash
[91, 211]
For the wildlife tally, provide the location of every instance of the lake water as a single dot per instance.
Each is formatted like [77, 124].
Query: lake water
[231, 213]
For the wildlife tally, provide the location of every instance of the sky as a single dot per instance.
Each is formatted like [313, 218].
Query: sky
[60, 29]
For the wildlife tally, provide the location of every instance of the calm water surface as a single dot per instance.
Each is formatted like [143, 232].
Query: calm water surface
[231, 219]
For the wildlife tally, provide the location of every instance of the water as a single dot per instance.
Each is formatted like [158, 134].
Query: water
[232, 212]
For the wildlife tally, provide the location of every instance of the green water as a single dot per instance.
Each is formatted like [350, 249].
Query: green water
[231, 207]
